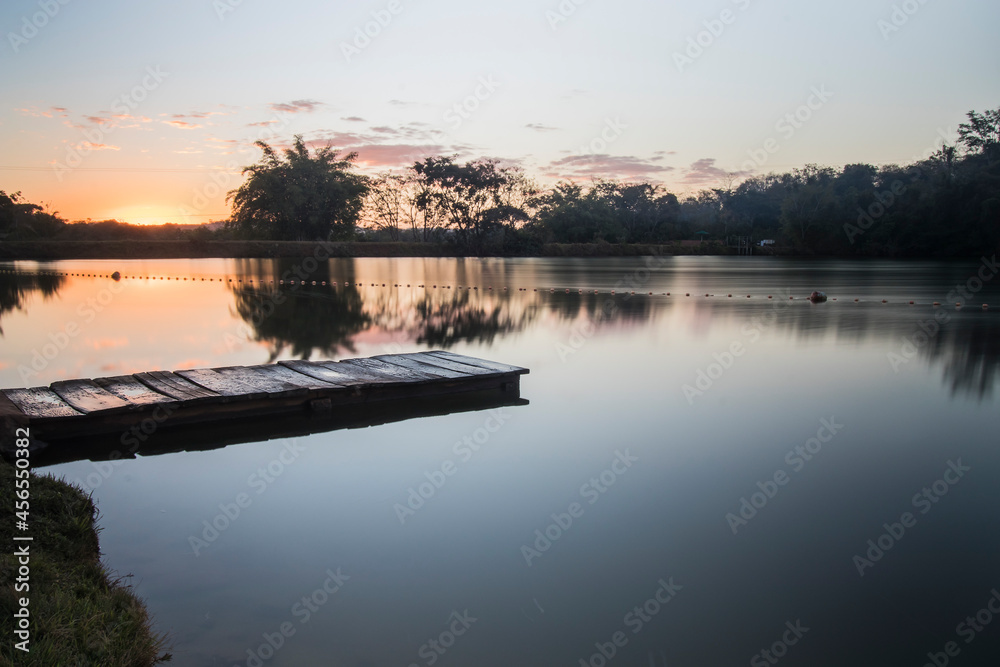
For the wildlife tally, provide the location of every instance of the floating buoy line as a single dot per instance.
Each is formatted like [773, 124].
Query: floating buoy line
[117, 276]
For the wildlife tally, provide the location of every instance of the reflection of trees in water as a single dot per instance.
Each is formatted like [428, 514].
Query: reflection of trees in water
[602, 308]
[303, 319]
[463, 318]
[16, 290]
[324, 319]
[443, 317]
[967, 345]
[970, 358]
[319, 320]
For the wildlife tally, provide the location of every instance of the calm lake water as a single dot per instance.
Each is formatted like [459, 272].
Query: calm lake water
[696, 480]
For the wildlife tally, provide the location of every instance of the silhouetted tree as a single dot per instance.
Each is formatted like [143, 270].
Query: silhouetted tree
[479, 201]
[301, 197]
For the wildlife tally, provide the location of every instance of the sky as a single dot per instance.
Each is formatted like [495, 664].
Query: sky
[147, 111]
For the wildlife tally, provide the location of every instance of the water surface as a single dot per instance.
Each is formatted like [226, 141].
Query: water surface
[611, 504]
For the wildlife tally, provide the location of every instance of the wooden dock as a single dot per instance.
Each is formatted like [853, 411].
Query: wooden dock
[169, 411]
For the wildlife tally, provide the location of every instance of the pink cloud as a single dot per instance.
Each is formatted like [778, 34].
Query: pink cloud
[91, 146]
[297, 106]
[704, 171]
[184, 125]
[602, 165]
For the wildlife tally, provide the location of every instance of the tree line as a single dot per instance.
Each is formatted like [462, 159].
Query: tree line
[945, 205]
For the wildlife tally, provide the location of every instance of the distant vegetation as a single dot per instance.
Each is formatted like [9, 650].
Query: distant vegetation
[946, 205]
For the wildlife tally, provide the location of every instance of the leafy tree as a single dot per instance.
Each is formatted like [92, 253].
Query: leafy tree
[392, 207]
[22, 220]
[301, 197]
[480, 201]
[981, 134]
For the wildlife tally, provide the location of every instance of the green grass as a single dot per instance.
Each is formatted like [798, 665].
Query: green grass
[81, 614]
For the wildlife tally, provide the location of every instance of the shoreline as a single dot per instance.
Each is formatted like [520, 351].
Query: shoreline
[59, 250]
[80, 612]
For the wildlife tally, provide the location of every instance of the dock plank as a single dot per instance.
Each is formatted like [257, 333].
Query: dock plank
[410, 362]
[344, 375]
[221, 384]
[252, 376]
[482, 363]
[175, 386]
[86, 396]
[40, 402]
[434, 360]
[286, 374]
[360, 374]
[323, 372]
[391, 370]
[133, 391]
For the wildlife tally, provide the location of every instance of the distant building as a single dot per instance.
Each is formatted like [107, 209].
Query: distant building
[765, 242]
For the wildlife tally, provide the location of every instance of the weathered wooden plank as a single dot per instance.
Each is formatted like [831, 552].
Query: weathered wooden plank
[85, 396]
[322, 372]
[174, 386]
[253, 377]
[391, 370]
[408, 361]
[221, 384]
[286, 374]
[360, 374]
[40, 402]
[434, 360]
[133, 391]
[482, 363]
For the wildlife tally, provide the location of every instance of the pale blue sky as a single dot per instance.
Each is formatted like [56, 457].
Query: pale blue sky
[554, 87]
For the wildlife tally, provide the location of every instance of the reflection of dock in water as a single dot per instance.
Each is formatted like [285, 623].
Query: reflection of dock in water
[161, 411]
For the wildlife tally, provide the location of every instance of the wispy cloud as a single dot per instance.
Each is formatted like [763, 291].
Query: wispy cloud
[602, 165]
[297, 106]
[354, 119]
[91, 146]
[203, 114]
[51, 112]
[538, 127]
[704, 171]
[396, 155]
[184, 125]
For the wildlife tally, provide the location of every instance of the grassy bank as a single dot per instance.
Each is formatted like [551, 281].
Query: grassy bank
[80, 613]
[53, 250]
